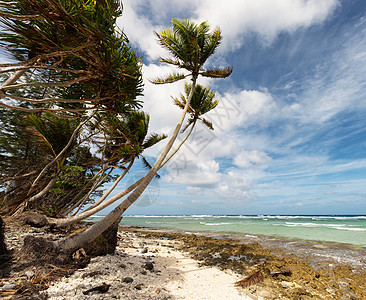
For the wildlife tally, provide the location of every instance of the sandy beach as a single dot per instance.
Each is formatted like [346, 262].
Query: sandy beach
[155, 264]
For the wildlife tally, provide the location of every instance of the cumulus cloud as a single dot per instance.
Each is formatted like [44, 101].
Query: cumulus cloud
[235, 186]
[235, 17]
[201, 174]
[266, 18]
[247, 159]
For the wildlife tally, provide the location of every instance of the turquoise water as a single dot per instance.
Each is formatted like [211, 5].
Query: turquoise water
[340, 229]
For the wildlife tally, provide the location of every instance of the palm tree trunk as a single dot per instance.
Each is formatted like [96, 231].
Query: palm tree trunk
[110, 190]
[92, 189]
[34, 198]
[179, 146]
[85, 214]
[69, 244]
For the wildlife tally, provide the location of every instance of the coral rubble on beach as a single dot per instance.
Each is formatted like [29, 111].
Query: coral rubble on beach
[151, 264]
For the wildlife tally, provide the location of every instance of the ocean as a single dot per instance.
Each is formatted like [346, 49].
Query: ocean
[338, 229]
[320, 240]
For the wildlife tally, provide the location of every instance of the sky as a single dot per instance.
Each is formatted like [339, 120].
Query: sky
[290, 129]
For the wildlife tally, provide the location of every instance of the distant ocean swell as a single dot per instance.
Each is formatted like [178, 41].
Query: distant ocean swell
[339, 229]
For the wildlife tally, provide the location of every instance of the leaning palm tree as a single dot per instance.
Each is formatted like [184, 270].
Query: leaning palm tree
[190, 45]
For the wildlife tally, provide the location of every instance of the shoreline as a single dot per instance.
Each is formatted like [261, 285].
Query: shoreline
[296, 246]
[197, 266]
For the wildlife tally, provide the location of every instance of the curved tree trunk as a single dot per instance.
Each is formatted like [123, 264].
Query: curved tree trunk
[65, 212]
[58, 156]
[110, 190]
[70, 244]
[92, 189]
[34, 198]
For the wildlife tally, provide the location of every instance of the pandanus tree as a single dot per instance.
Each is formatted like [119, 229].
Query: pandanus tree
[50, 135]
[70, 52]
[190, 45]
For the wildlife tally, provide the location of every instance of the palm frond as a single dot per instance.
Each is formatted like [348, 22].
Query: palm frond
[250, 280]
[171, 62]
[217, 73]
[148, 166]
[153, 139]
[169, 78]
[207, 123]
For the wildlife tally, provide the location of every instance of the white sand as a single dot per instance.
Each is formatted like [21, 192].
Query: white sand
[175, 275]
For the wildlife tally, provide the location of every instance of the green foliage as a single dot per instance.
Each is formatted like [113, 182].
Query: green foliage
[190, 45]
[126, 136]
[201, 103]
[50, 132]
[74, 40]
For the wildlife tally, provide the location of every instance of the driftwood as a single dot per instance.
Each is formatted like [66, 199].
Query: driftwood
[250, 280]
[102, 289]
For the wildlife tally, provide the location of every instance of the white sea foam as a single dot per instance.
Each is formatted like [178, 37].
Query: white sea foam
[332, 226]
[215, 224]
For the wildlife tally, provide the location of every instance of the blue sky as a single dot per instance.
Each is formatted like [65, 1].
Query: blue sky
[290, 130]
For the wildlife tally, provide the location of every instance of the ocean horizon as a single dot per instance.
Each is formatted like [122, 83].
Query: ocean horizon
[344, 229]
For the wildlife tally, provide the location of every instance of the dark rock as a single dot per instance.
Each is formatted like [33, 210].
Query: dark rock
[3, 249]
[144, 250]
[143, 272]
[149, 266]
[127, 279]
[139, 286]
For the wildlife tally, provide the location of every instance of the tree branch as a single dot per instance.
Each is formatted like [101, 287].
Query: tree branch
[60, 154]
[19, 17]
[43, 84]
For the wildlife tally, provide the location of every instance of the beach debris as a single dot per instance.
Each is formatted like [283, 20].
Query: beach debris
[250, 280]
[9, 286]
[102, 289]
[139, 286]
[127, 279]
[149, 266]
[284, 272]
[79, 253]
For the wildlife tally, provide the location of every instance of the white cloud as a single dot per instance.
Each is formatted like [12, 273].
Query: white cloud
[235, 186]
[202, 174]
[240, 108]
[140, 30]
[235, 18]
[267, 18]
[247, 159]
